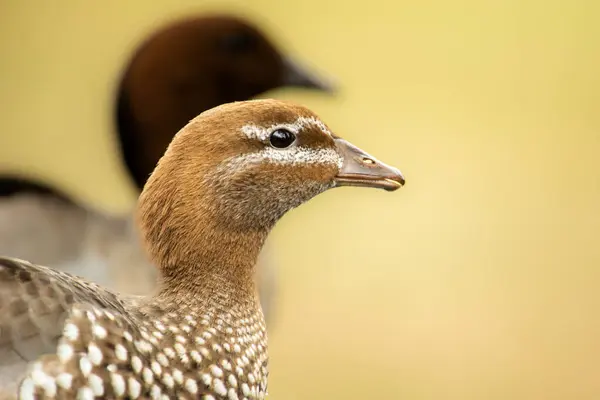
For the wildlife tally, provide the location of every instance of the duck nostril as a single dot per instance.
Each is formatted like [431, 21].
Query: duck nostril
[367, 160]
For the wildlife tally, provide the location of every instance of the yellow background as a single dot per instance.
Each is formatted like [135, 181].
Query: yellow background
[478, 280]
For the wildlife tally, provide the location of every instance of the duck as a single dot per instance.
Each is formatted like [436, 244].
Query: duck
[204, 214]
[188, 66]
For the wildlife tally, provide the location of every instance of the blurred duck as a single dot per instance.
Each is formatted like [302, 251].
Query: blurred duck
[190, 66]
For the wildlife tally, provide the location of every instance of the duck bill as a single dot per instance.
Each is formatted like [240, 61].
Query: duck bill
[364, 170]
[297, 75]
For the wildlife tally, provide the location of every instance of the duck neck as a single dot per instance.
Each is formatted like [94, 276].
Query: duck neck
[205, 248]
[146, 122]
[144, 133]
[219, 271]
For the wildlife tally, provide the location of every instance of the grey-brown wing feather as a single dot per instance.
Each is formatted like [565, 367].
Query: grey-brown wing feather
[34, 303]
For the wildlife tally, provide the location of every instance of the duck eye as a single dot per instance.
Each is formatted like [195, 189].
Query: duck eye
[282, 138]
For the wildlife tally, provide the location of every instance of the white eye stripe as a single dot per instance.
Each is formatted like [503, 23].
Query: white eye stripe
[262, 133]
[289, 156]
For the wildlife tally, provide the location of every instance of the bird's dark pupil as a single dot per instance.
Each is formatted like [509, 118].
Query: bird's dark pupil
[281, 138]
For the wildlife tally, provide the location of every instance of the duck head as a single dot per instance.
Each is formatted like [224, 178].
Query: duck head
[233, 171]
[191, 66]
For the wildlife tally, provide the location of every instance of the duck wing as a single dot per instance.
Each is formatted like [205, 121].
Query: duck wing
[34, 304]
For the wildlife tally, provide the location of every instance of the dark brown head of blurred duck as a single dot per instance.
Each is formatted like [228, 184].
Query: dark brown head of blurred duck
[191, 66]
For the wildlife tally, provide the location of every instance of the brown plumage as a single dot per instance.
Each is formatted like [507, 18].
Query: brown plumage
[205, 212]
[183, 69]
